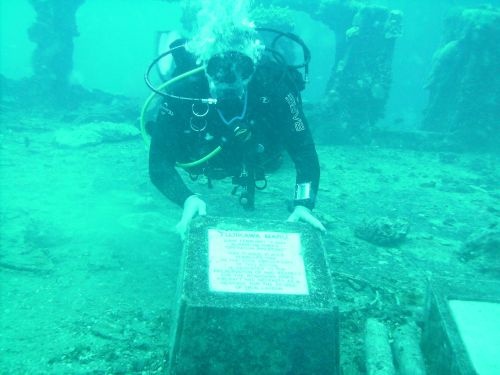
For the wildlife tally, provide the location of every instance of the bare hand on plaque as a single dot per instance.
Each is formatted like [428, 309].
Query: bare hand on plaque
[193, 206]
[301, 213]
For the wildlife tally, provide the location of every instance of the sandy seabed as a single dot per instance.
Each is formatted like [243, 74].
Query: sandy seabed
[89, 260]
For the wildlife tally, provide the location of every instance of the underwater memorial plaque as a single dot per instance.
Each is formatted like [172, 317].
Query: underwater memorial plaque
[462, 329]
[255, 262]
[479, 326]
[254, 297]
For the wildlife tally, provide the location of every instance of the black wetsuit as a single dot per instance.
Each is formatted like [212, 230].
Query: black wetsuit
[273, 117]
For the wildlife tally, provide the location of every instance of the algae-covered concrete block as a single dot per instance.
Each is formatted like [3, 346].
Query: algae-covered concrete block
[254, 297]
[461, 335]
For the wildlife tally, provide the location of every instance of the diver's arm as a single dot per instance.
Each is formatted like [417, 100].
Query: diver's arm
[300, 146]
[162, 161]
[162, 151]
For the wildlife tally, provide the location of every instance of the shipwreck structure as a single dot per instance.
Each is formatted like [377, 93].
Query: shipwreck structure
[53, 33]
[464, 84]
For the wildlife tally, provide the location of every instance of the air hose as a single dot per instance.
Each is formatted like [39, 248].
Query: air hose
[146, 106]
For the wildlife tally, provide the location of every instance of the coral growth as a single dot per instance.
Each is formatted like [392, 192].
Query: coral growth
[383, 231]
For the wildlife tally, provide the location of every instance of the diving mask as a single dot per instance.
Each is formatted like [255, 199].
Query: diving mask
[228, 74]
[228, 67]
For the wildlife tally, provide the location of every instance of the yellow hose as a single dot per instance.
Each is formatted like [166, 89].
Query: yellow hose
[145, 107]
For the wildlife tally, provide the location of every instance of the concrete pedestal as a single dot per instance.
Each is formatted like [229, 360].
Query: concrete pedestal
[461, 335]
[254, 298]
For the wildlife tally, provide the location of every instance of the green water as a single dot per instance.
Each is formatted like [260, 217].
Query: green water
[89, 257]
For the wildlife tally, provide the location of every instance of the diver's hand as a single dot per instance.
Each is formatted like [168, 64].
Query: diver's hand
[302, 213]
[193, 206]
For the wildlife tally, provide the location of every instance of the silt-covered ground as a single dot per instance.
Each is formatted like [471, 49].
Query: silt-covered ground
[88, 259]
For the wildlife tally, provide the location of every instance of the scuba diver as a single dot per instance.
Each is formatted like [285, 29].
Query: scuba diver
[231, 113]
